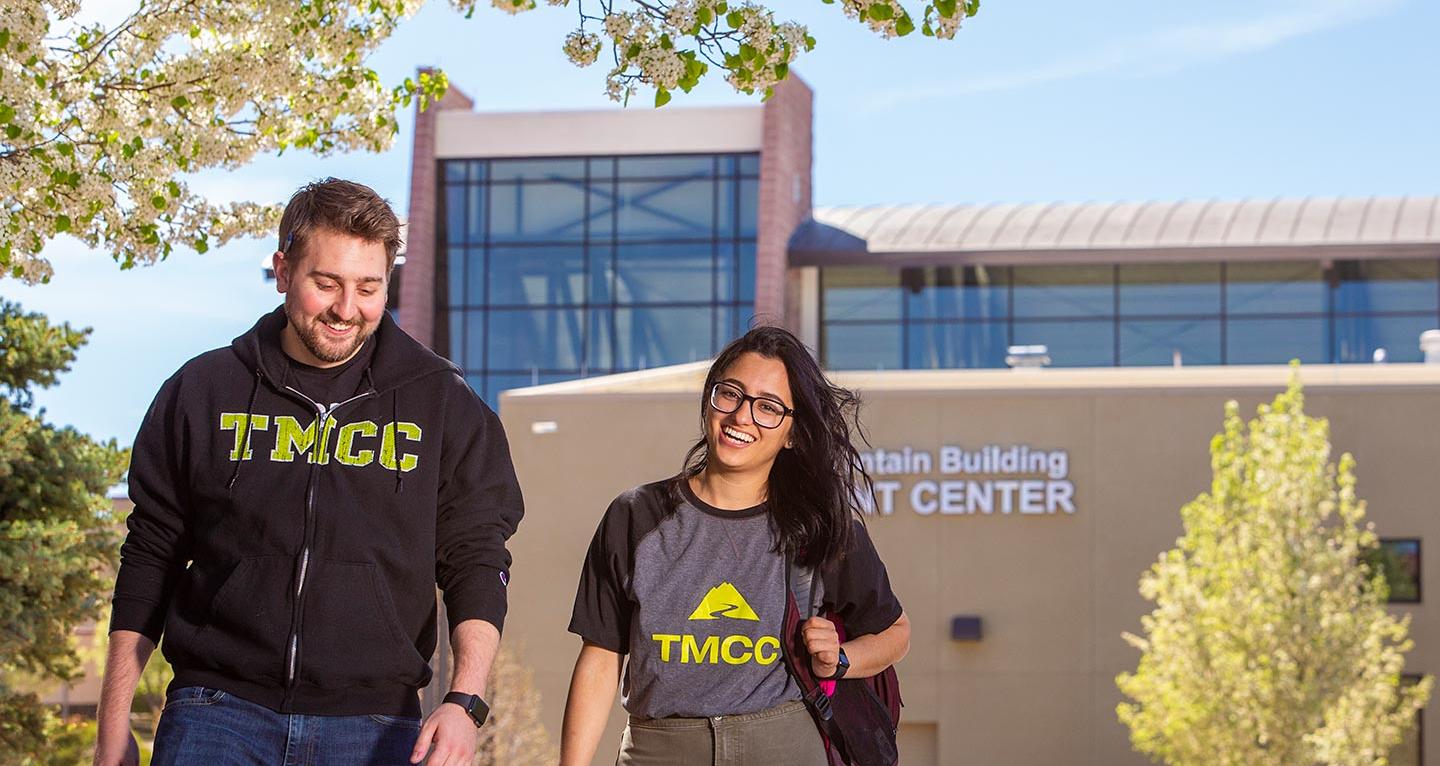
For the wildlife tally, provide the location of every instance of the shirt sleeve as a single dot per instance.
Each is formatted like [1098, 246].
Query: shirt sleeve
[603, 608]
[158, 544]
[479, 508]
[857, 588]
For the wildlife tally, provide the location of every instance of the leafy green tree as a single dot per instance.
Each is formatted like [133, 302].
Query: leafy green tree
[100, 124]
[58, 538]
[1270, 642]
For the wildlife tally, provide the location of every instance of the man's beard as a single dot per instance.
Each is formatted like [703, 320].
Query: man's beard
[315, 343]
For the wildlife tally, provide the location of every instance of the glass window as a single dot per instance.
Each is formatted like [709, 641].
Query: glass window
[457, 338]
[1399, 561]
[537, 212]
[958, 292]
[537, 170]
[701, 166]
[1358, 337]
[938, 345]
[1071, 344]
[537, 276]
[727, 221]
[474, 277]
[455, 275]
[1377, 286]
[455, 202]
[664, 273]
[535, 339]
[665, 209]
[654, 337]
[474, 339]
[859, 292]
[749, 204]
[862, 346]
[455, 170]
[1275, 341]
[750, 164]
[601, 168]
[1157, 341]
[1168, 289]
[600, 335]
[1064, 291]
[1295, 287]
[600, 217]
[746, 287]
[602, 272]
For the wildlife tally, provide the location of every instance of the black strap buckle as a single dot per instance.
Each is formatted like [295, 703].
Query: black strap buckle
[820, 703]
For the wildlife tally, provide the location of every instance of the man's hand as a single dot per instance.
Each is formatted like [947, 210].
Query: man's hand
[453, 733]
[823, 643]
[117, 751]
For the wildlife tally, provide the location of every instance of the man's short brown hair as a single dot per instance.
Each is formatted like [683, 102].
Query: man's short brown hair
[341, 206]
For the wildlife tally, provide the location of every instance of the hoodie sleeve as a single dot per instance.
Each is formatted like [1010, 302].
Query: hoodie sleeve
[157, 546]
[479, 508]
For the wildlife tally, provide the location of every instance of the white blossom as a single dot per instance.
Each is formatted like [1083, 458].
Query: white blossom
[582, 47]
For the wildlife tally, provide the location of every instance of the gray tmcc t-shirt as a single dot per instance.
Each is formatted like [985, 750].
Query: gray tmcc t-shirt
[695, 596]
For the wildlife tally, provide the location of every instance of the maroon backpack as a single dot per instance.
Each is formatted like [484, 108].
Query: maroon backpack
[858, 719]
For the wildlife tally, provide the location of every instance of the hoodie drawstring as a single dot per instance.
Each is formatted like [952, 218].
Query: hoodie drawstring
[245, 447]
[395, 424]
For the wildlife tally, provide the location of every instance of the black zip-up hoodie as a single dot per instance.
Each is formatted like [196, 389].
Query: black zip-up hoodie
[289, 551]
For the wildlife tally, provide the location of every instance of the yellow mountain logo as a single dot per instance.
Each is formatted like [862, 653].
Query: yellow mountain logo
[724, 601]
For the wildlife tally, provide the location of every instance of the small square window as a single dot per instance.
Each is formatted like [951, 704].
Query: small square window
[1399, 560]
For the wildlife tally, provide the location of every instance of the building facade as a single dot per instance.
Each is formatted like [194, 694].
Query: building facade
[605, 255]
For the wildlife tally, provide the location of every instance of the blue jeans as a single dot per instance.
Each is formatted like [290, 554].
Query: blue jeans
[207, 726]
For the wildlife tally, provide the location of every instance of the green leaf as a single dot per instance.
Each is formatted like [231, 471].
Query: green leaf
[65, 150]
[945, 7]
[201, 246]
[12, 132]
[972, 7]
[62, 224]
[809, 43]
[632, 51]
[194, 31]
[905, 25]
[721, 7]
[7, 113]
[734, 19]
[159, 202]
[781, 70]
[173, 188]
[705, 16]
[768, 93]
[747, 51]
[665, 43]
[662, 97]
[880, 12]
[180, 101]
[4, 39]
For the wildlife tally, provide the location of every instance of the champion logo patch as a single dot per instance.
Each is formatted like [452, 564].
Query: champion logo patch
[505, 579]
[724, 600]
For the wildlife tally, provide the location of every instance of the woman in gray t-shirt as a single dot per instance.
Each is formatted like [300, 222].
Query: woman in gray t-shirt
[686, 576]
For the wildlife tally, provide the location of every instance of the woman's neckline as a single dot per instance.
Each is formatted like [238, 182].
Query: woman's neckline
[694, 499]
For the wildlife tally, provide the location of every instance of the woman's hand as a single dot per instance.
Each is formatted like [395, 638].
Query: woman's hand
[823, 644]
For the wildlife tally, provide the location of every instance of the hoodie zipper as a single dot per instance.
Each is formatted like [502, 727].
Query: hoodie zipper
[322, 418]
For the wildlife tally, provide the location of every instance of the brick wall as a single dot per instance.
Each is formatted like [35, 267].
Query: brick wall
[417, 283]
[785, 177]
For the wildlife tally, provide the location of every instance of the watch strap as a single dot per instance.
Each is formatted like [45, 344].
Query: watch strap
[473, 705]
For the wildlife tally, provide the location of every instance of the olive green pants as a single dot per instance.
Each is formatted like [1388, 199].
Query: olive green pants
[784, 734]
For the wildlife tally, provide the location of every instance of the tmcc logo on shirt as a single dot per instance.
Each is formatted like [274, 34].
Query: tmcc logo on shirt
[721, 601]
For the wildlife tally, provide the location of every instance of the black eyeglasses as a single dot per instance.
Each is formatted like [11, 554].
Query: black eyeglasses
[766, 412]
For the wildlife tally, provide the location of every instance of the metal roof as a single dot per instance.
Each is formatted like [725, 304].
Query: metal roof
[1122, 231]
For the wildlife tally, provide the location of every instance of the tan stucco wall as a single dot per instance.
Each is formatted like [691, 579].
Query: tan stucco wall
[1054, 591]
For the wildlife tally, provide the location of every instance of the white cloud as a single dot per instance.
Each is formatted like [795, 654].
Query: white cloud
[1162, 52]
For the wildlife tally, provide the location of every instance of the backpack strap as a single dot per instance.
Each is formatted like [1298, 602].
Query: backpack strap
[800, 581]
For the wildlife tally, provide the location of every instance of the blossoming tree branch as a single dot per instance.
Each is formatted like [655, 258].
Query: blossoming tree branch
[100, 125]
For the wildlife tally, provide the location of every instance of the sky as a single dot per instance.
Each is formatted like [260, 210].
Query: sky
[1037, 101]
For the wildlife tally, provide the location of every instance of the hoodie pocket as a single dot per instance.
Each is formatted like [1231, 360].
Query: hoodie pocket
[245, 623]
[350, 635]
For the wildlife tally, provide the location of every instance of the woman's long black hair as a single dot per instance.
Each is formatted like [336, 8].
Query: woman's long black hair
[814, 487]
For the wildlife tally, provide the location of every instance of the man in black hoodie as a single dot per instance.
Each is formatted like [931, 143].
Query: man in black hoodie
[298, 497]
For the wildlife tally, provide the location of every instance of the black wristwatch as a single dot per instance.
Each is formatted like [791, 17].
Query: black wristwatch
[476, 707]
[841, 667]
